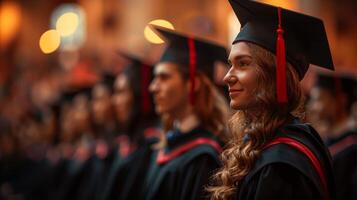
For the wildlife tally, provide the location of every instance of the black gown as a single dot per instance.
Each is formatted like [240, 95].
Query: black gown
[24, 178]
[184, 175]
[82, 180]
[126, 174]
[283, 172]
[344, 156]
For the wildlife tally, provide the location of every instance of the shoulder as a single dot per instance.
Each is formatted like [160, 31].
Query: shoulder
[344, 144]
[197, 154]
[301, 149]
[279, 181]
[282, 154]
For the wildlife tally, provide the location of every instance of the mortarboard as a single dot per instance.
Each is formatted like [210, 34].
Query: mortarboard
[338, 84]
[137, 69]
[191, 52]
[299, 38]
[107, 79]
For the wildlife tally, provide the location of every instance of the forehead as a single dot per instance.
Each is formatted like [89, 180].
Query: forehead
[166, 68]
[121, 81]
[100, 90]
[239, 49]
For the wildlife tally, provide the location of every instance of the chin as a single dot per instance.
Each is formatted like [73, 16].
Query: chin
[159, 110]
[236, 106]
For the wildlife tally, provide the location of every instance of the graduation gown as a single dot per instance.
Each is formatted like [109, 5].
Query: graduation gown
[126, 175]
[284, 172]
[344, 156]
[25, 178]
[182, 170]
[82, 180]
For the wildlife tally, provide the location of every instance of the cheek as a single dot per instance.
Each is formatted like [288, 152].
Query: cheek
[122, 104]
[249, 81]
[98, 107]
[175, 95]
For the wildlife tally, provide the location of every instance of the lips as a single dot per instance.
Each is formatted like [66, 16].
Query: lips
[158, 99]
[234, 92]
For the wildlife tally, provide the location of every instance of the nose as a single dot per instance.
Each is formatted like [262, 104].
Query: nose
[229, 78]
[153, 86]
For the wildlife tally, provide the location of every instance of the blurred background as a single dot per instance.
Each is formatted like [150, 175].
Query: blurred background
[42, 41]
[35, 61]
[50, 46]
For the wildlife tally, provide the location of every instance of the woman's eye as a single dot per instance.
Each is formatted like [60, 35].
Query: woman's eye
[244, 63]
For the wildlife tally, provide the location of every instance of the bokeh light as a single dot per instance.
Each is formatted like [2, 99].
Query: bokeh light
[67, 24]
[291, 4]
[50, 41]
[151, 36]
[10, 18]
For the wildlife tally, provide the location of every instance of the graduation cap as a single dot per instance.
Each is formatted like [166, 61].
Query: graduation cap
[137, 69]
[191, 52]
[293, 36]
[70, 94]
[338, 85]
[108, 79]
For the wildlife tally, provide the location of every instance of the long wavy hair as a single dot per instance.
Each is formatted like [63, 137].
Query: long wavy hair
[259, 125]
[210, 106]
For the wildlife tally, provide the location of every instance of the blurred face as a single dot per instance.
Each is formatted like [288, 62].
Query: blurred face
[101, 103]
[242, 78]
[81, 114]
[322, 105]
[169, 89]
[123, 98]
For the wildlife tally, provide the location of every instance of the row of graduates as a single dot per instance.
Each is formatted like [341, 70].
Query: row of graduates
[176, 151]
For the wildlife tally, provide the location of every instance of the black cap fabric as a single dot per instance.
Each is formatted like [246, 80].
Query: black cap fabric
[338, 84]
[139, 74]
[108, 80]
[177, 51]
[135, 70]
[305, 36]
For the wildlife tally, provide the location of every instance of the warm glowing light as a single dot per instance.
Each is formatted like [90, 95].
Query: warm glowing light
[49, 41]
[291, 4]
[67, 23]
[10, 17]
[151, 36]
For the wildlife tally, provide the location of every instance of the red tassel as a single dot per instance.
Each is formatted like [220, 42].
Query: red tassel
[280, 63]
[192, 56]
[145, 81]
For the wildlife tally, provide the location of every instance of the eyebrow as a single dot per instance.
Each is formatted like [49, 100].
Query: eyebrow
[160, 73]
[238, 58]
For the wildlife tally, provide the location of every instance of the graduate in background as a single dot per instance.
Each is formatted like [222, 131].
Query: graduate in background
[105, 127]
[193, 114]
[139, 128]
[331, 102]
[272, 154]
[84, 167]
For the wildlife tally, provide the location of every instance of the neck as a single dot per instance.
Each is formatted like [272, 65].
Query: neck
[187, 120]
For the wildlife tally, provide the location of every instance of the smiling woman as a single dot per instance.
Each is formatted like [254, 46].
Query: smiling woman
[272, 154]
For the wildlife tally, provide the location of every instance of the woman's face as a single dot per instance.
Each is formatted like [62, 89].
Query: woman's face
[242, 77]
[169, 89]
[322, 105]
[123, 99]
[80, 113]
[101, 103]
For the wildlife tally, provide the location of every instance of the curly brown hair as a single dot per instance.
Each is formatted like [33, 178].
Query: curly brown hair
[240, 154]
